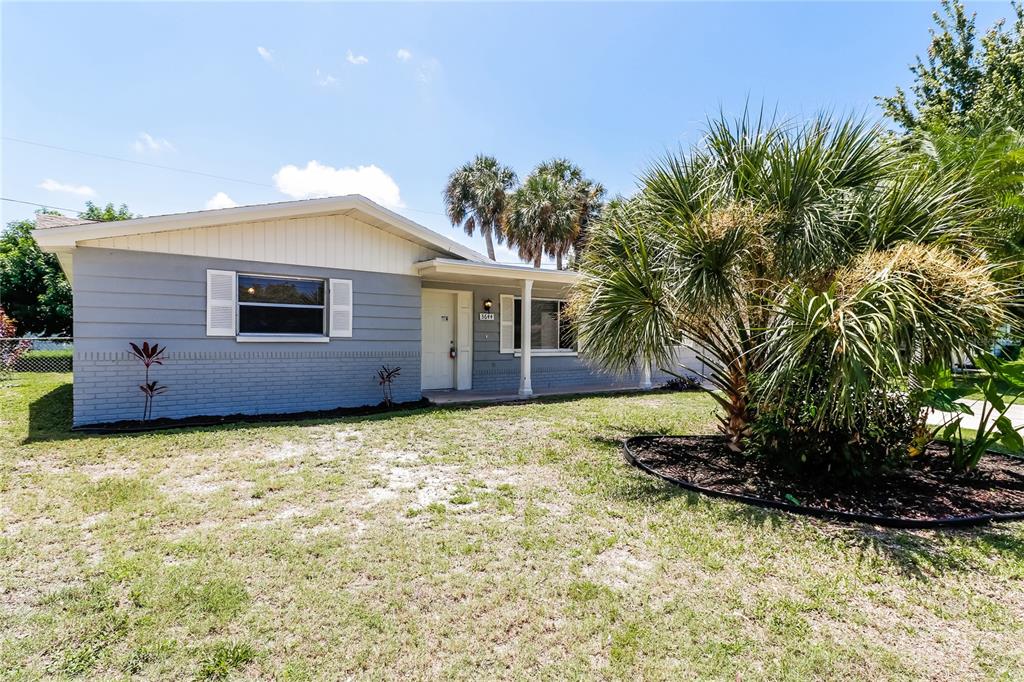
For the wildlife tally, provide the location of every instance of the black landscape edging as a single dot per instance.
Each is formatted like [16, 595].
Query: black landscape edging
[888, 521]
[166, 423]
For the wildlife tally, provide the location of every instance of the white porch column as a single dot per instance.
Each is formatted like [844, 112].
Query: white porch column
[525, 389]
[645, 376]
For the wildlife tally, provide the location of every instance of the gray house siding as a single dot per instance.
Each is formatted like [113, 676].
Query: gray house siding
[496, 371]
[122, 296]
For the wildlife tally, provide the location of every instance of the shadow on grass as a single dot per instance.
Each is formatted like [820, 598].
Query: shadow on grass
[924, 553]
[50, 416]
[49, 419]
[917, 553]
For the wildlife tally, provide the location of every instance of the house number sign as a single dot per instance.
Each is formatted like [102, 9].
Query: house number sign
[486, 317]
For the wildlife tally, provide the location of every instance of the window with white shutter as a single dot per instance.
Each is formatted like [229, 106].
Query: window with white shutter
[270, 306]
[220, 303]
[341, 307]
[507, 315]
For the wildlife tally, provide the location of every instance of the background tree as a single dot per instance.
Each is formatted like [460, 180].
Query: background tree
[993, 160]
[475, 198]
[541, 217]
[590, 200]
[106, 213]
[33, 287]
[588, 197]
[552, 211]
[965, 83]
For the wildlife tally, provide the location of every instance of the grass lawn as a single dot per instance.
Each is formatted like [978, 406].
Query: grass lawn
[475, 543]
[975, 383]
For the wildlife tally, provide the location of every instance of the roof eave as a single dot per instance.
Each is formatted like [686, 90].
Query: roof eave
[448, 266]
[55, 239]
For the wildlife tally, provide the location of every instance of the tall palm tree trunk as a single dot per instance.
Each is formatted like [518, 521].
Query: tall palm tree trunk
[489, 238]
[536, 261]
[558, 260]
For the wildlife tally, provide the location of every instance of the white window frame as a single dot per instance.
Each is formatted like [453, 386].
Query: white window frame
[271, 337]
[534, 351]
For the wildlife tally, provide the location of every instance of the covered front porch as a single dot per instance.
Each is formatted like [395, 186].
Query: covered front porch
[510, 339]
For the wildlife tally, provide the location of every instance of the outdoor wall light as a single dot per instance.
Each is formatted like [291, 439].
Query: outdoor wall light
[488, 304]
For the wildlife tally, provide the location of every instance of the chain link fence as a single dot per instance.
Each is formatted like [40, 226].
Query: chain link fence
[36, 354]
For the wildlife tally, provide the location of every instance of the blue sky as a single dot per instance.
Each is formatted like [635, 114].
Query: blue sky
[388, 99]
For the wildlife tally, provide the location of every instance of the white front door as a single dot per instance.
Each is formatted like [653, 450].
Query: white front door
[437, 367]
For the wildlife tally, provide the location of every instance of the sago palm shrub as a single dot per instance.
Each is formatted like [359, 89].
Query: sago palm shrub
[813, 261]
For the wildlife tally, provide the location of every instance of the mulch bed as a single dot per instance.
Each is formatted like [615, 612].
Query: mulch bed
[164, 423]
[926, 493]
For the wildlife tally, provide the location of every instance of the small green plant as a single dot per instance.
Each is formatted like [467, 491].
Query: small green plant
[223, 657]
[385, 377]
[994, 426]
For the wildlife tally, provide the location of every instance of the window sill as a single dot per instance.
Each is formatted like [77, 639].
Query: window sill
[542, 352]
[283, 338]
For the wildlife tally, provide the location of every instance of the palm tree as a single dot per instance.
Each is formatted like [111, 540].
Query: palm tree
[553, 209]
[475, 198]
[541, 216]
[591, 203]
[785, 251]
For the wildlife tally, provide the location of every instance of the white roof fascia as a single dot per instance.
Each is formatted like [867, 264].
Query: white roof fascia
[66, 237]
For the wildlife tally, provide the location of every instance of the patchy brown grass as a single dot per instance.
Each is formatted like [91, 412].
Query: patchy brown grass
[492, 542]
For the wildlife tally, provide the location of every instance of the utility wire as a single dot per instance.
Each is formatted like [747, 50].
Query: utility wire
[32, 203]
[170, 168]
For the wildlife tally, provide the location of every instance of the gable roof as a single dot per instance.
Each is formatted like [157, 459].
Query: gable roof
[63, 237]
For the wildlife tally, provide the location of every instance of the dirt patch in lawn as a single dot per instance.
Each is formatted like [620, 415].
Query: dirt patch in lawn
[926, 490]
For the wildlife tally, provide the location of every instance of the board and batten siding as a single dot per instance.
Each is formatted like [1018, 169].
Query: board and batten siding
[122, 296]
[330, 241]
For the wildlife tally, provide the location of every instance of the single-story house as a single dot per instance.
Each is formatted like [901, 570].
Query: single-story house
[294, 306]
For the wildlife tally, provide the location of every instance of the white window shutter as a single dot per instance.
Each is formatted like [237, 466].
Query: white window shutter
[507, 314]
[341, 307]
[220, 302]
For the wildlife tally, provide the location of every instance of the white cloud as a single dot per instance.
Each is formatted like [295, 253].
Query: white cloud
[356, 59]
[325, 80]
[220, 200]
[147, 143]
[403, 55]
[51, 185]
[318, 180]
[267, 55]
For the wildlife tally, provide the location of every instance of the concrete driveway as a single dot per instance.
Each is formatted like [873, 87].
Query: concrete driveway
[1015, 413]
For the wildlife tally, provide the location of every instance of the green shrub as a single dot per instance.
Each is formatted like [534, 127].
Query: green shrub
[790, 432]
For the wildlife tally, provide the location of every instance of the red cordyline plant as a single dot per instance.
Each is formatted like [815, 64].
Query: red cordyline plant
[10, 348]
[385, 376]
[149, 356]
